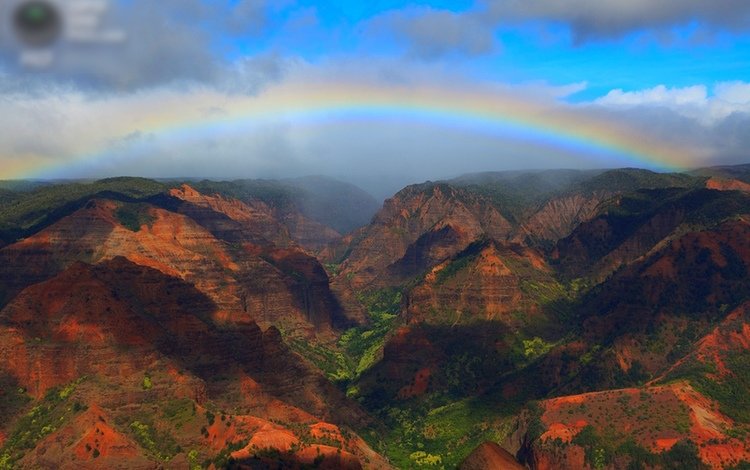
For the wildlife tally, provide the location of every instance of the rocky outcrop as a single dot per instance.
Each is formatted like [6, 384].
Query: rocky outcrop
[634, 225]
[420, 226]
[482, 283]
[559, 216]
[721, 184]
[694, 274]
[490, 456]
[254, 220]
[309, 283]
[238, 275]
[230, 219]
[308, 233]
[116, 318]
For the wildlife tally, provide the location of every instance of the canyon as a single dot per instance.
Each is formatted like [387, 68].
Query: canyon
[548, 320]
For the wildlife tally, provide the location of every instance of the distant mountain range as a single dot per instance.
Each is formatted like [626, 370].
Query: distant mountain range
[556, 319]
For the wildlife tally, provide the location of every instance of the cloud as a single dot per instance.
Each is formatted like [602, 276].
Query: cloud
[694, 102]
[432, 34]
[660, 95]
[737, 93]
[248, 75]
[165, 41]
[248, 17]
[74, 132]
[594, 19]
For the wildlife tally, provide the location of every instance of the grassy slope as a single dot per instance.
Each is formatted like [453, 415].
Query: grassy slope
[517, 193]
[43, 206]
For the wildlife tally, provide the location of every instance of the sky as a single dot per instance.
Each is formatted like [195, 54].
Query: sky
[376, 89]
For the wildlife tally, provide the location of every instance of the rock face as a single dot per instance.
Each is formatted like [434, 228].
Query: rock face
[419, 227]
[646, 317]
[115, 318]
[490, 456]
[631, 226]
[721, 184]
[694, 274]
[482, 284]
[218, 254]
[308, 233]
[641, 327]
[559, 216]
[120, 314]
[116, 321]
[254, 223]
[253, 220]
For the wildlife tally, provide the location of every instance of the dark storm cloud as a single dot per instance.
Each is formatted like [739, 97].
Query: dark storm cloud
[592, 19]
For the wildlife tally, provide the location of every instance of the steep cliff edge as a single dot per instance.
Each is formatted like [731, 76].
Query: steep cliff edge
[419, 227]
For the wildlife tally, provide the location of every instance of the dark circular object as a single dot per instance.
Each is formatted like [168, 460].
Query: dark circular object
[37, 23]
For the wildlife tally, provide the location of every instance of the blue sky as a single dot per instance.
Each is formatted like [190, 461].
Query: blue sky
[677, 55]
[668, 72]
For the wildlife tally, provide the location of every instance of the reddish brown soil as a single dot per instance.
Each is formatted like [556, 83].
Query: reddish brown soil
[418, 386]
[656, 417]
[89, 441]
[490, 456]
[720, 184]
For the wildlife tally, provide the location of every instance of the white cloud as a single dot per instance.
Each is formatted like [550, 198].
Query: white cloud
[659, 95]
[737, 93]
[695, 102]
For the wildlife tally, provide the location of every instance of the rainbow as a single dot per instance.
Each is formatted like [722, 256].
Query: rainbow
[183, 117]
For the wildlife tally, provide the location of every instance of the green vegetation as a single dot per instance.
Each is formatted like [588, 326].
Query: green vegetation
[179, 411]
[210, 418]
[358, 349]
[422, 435]
[223, 459]
[160, 444]
[634, 179]
[730, 391]
[328, 358]
[456, 266]
[134, 216]
[422, 458]
[364, 345]
[193, 457]
[13, 399]
[535, 347]
[51, 413]
[42, 206]
[602, 450]
[333, 269]
[147, 384]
